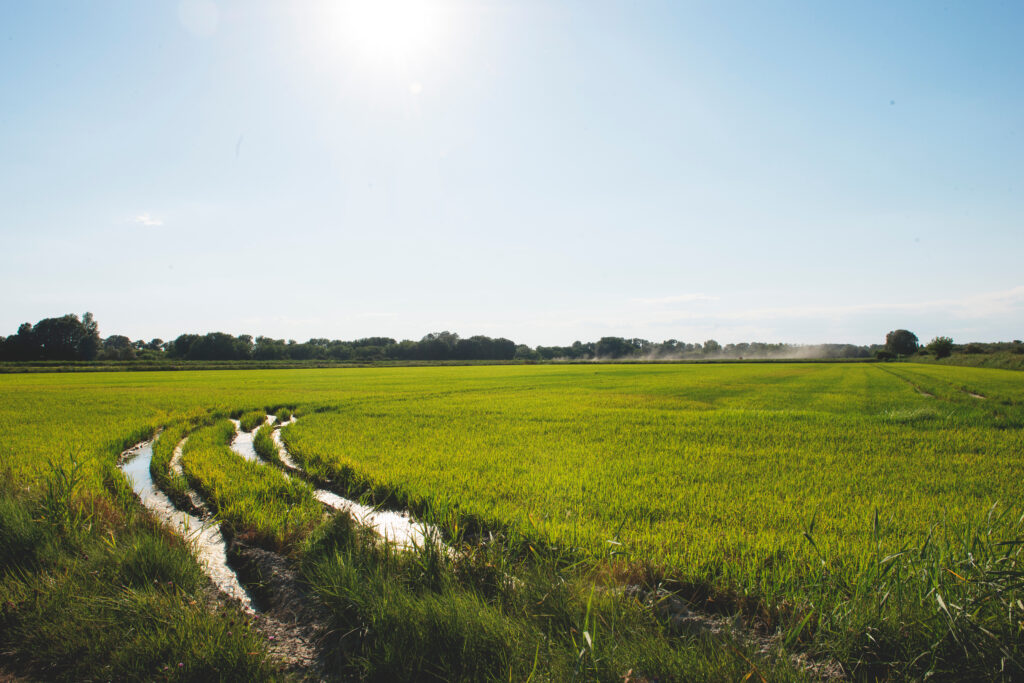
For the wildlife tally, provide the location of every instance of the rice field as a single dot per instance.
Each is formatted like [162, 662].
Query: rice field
[866, 514]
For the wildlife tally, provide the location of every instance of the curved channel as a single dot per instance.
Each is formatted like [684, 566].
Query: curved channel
[396, 527]
[205, 538]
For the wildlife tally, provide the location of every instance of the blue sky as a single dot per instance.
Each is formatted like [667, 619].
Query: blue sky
[802, 172]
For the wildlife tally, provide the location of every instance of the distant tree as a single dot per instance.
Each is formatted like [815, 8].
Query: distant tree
[524, 352]
[614, 347]
[503, 349]
[437, 346]
[382, 341]
[180, 347]
[218, 346]
[118, 347]
[65, 338]
[941, 347]
[22, 346]
[117, 342]
[901, 342]
[711, 346]
[269, 349]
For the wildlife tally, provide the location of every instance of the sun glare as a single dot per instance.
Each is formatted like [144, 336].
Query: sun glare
[392, 29]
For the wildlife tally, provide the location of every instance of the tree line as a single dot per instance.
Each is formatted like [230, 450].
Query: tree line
[70, 338]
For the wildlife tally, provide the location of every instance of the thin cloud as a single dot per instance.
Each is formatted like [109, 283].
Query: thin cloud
[148, 221]
[675, 299]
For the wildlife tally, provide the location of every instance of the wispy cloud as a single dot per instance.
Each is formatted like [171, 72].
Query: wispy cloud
[148, 220]
[983, 305]
[675, 299]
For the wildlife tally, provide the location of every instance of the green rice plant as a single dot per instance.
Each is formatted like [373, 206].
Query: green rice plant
[271, 509]
[250, 420]
[171, 483]
[263, 444]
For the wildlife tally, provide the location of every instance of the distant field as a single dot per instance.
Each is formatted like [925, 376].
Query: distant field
[781, 482]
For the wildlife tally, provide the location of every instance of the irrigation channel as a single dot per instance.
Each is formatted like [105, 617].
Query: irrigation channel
[205, 536]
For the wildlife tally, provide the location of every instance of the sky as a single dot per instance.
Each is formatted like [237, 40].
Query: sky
[543, 171]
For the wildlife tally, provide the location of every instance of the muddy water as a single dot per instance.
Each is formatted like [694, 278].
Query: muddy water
[205, 539]
[396, 527]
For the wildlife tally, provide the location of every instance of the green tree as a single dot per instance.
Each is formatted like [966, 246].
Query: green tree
[118, 347]
[89, 343]
[901, 342]
[941, 347]
[711, 346]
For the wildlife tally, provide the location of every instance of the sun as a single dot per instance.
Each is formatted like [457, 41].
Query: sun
[392, 29]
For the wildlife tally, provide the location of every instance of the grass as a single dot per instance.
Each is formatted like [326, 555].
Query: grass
[867, 513]
[110, 596]
[489, 616]
[273, 510]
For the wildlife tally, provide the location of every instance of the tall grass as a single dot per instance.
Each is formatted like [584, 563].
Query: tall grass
[271, 509]
[405, 616]
[119, 599]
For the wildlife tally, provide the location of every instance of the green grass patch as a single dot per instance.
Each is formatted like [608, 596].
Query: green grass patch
[114, 599]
